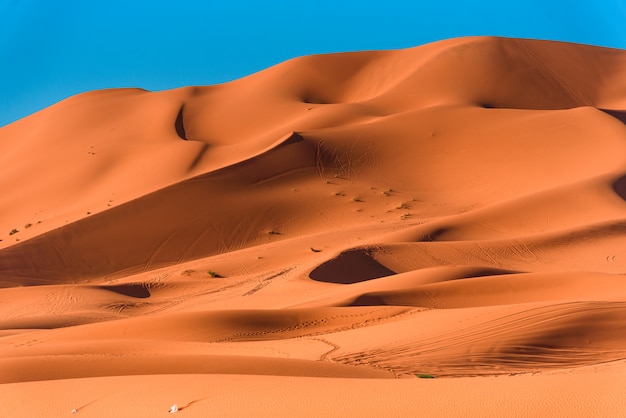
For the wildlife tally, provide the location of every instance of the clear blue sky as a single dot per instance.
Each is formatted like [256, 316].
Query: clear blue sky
[51, 49]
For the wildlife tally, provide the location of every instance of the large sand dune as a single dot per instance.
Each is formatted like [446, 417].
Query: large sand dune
[312, 239]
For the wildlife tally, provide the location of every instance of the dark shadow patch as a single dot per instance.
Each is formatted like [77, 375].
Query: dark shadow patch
[132, 290]
[313, 100]
[434, 235]
[620, 187]
[191, 403]
[198, 157]
[489, 271]
[179, 125]
[290, 138]
[352, 266]
[617, 114]
[369, 299]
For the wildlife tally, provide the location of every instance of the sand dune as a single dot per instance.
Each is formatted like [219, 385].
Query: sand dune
[320, 229]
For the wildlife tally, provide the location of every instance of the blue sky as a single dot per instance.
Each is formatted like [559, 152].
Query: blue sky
[50, 50]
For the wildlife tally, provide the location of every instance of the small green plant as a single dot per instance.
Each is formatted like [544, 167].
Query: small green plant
[213, 274]
[273, 232]
[14, 231]
[425, 376]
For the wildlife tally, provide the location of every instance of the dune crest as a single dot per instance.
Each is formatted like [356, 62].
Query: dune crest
[452, 210]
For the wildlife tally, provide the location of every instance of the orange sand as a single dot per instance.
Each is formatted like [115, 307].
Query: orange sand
[313, 238]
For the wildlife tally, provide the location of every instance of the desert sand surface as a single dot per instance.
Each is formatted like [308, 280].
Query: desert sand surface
[437, 231]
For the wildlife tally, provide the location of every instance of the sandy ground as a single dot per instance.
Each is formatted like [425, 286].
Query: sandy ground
[437, 231]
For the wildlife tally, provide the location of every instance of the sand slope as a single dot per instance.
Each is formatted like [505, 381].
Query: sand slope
[455, 210]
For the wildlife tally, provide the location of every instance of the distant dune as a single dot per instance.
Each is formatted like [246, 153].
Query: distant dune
[436, 231]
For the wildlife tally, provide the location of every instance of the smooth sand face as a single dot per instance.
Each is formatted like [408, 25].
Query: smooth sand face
[322, 237]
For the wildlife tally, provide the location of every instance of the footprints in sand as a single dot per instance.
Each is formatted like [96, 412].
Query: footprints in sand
[524, 341]
[266, 281]
[326, 356]
[306, 323]
[445, 233]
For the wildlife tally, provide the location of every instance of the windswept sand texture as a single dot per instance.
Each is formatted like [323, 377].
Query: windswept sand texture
[313, 238]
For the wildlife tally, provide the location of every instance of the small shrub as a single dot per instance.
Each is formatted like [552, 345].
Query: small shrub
[213, 274]
[14, 231]
[273, 232]
[28, 225]
[425, 376]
